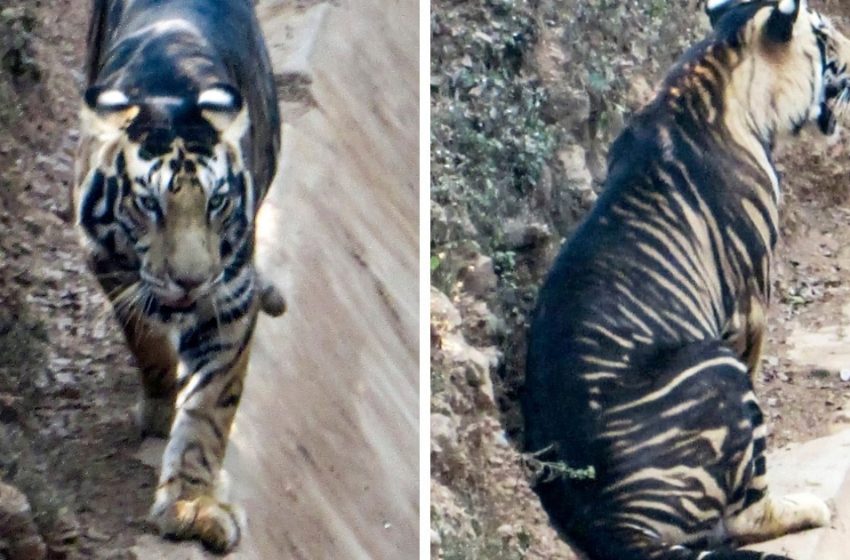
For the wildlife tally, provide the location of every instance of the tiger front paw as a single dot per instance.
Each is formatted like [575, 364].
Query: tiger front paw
[216, 524]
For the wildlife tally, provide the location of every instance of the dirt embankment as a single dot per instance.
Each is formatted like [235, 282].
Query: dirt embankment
[324, 453]
[66, 383]
[526, 97]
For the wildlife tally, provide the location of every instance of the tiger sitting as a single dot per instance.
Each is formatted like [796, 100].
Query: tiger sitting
[179, 144]
[649, 328]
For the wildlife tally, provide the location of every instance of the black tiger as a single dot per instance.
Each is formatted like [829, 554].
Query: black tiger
[648, 330]
[179, 143]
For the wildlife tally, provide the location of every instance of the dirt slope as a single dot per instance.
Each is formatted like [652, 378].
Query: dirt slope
[339, 371]
[324, 457]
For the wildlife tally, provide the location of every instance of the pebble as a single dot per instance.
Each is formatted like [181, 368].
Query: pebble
[845, 374]
[505, 531]
[96, 535]
[436, 540]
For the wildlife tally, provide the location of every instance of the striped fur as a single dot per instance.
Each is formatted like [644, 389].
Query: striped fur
[649, 328]
[179, 142]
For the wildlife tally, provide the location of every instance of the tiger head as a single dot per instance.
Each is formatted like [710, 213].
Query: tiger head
[162, 191]
[792, 67]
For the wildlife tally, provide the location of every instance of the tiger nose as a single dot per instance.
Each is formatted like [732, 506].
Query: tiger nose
[188, 284]
[187, 280]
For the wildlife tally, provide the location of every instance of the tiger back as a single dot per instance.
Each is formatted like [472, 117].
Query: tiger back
[179, 142]
[648, 330]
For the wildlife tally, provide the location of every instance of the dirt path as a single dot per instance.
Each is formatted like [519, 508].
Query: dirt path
[801, 386]
[340, 370]
[324, 455]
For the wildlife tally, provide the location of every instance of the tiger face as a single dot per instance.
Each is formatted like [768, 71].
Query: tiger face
[793, 68]
[166, 195]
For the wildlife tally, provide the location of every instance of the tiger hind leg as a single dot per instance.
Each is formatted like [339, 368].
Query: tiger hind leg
[189, 503]
[685, 452]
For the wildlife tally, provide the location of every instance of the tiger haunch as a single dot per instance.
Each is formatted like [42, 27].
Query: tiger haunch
[648, 330]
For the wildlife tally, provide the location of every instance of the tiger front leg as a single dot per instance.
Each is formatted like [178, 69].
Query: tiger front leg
[153, 353]
[157, 363]
[188, 503]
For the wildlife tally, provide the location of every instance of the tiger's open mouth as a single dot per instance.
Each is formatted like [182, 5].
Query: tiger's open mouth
[183, 302]
[178, 298]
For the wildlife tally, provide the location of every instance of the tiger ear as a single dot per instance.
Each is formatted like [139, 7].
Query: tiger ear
[780, 25]
[108, 110]
[223, 107]
[716, 9]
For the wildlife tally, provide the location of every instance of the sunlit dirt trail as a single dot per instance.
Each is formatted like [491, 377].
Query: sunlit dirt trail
[324, 456]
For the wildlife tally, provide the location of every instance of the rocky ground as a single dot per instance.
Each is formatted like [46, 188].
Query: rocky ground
[65, 383]
[525, 98]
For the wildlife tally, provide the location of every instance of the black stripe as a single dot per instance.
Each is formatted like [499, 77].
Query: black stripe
[208, 420]
[92, 195]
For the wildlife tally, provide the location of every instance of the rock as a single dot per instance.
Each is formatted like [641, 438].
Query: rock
[486, 396]
[450, 223]
[436, 541]
[500, 438]
[443, 433]
[479, 277]
[480, 324]
[149, 547]
[520, 234]
[96, 535]
[543, 190]
[839, 422]
[450, 519]
[439, 224]
[506, 531]
[443, 311]
[477, 363]
[9, 408]
[576, 171]
[640, 92]
[17, 528]
[566, 105]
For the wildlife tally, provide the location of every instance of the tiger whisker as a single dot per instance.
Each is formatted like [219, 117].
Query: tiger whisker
[216, 315]
[114, 301]
[125, 304]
